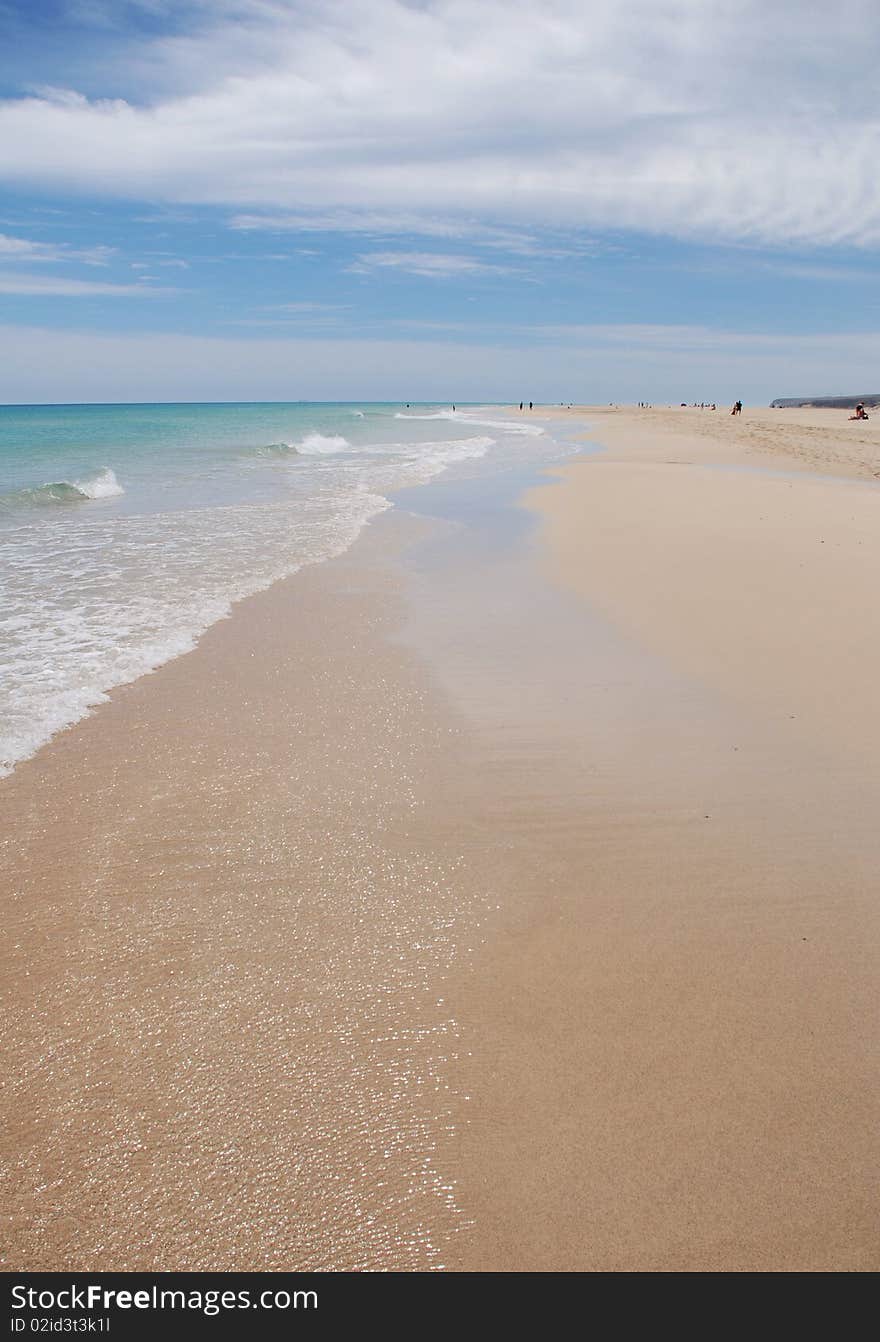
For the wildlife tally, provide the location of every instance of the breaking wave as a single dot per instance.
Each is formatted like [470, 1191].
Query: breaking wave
[102, 485]
[509, 425]
[277, 450]
[321, 444]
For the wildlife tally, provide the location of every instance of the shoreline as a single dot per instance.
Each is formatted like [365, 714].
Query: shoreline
[446, 907]
[87, 611]
[227, 921]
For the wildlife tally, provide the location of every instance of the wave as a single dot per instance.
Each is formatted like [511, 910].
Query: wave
[509, 425]
[437, 414]
[320, 444]
[313, 444]
[432, 459]
[460, 449]
[82, 622]
[451, 448]
[277, 450]
[102, 485]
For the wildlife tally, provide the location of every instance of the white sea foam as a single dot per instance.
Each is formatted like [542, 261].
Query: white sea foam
[110, 615]
[321, 444]
[513, 426]
[311, 445]
[433, 458]
[104, 485]
[101, 485]
[435, 414]
[277, 450]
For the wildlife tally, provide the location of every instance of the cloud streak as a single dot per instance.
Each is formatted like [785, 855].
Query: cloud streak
[387, 225]
[26, 251]
[432, 265]
[60, 287]
[713, 119]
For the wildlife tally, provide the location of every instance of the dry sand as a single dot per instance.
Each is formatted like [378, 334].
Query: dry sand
[495, 904]
[705, 537]
[685, 1010]
[823, 440]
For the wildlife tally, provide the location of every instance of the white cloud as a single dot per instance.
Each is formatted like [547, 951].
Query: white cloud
[434, 265]
[304, 315]
[354, 221]
[394, 224]
[699, 118]
[26, 250]
[59, 287]
[22, 249]
[154, 261]
[829, 274]
[308, 307]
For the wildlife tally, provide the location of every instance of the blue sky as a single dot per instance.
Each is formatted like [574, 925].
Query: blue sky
[440, 199]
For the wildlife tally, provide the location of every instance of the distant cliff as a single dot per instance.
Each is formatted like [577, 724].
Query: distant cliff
[826, 402]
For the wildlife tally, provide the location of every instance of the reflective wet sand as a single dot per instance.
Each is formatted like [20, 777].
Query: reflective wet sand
[226, 926]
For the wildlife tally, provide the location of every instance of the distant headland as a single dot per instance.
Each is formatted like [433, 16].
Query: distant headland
[825, 402]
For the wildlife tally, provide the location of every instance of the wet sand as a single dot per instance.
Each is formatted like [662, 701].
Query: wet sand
[501, 895]
[226, 920]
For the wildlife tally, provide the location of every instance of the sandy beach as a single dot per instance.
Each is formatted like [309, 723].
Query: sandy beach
[683, 1002]
[500, 895]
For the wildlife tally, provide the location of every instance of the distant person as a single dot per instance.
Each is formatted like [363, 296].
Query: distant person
[530, 405]
[861, 412]
[737, 408]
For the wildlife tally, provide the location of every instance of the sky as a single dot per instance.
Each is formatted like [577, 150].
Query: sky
[468, 200]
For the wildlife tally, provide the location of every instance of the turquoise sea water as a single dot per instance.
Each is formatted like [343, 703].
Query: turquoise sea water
[125, 531]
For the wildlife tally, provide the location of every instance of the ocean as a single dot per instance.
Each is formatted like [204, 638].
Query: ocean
[127, 530]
